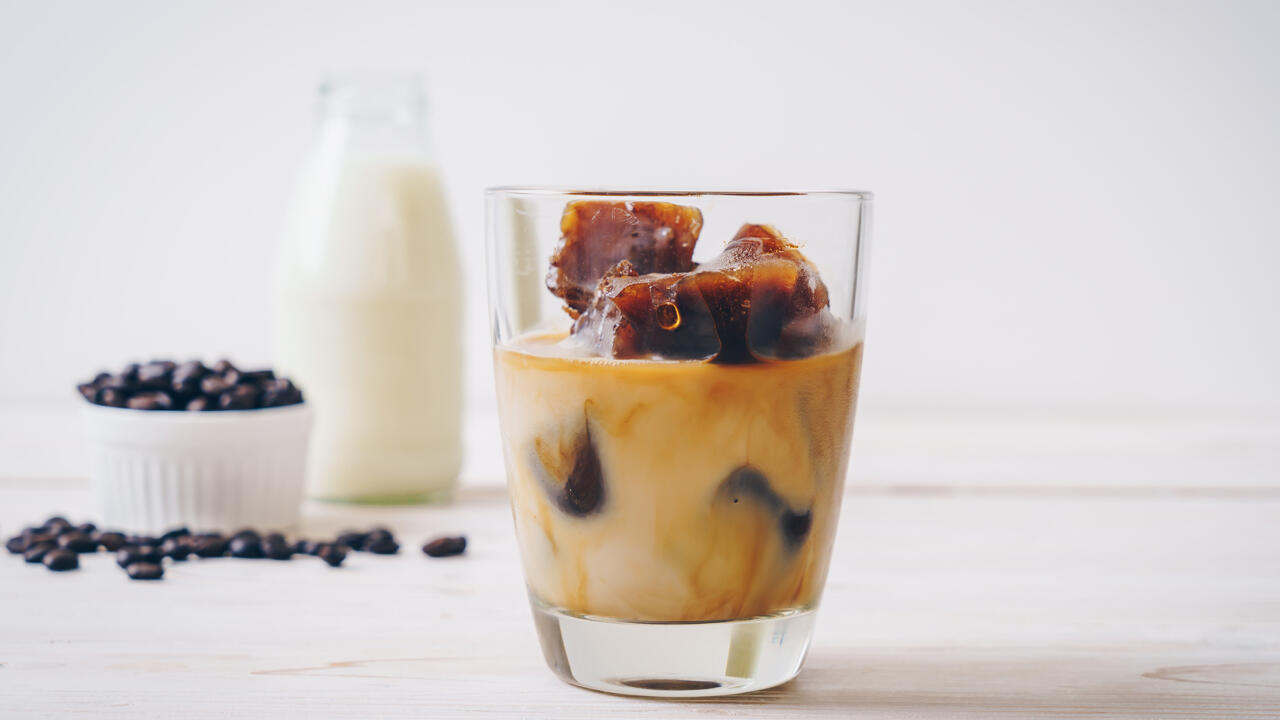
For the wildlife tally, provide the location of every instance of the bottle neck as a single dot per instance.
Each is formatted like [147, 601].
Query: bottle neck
[374, 111]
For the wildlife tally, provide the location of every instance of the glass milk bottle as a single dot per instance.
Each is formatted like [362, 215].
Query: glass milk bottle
[368, 307]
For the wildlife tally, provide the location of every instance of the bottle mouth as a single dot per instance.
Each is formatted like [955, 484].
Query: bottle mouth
[373, 97]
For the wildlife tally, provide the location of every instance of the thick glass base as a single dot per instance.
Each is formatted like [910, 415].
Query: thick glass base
[687, 659]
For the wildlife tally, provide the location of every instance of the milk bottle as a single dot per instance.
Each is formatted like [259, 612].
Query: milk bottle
[368, 305]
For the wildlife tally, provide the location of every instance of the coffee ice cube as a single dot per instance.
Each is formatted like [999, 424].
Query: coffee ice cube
[759, 299]
[655, 237]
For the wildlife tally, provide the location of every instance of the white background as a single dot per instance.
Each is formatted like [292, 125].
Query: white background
[1076, 202]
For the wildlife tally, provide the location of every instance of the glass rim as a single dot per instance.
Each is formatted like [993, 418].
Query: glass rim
[563, 191]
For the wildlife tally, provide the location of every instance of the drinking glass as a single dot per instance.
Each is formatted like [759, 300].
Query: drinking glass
[675, 511]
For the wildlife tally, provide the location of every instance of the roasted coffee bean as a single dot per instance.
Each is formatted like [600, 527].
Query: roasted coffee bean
[274, 546]
[256, 376]
[178, 547]
[175, 532]
[145, 571]
[352, 539]
[247, 533]
[156, 375]
[240, 397]
[190, 386]
[56, 525]
[130, 373]
[305, 547]
[190, 368]
[87, 528]
[246, 546]
[276, 393]
[34, 536]
[130, 554]
[111, 541]
[215, 385]
[280, 398]
[122, 381]
[210, 546]
[16, 544]
[157, 400]
[111, 397]
[445, 546]
[77, 542]
[201, 402]
[141, 540]
[36, 552]
[185, 386]
[382, 546]
[332, 553]
[61, 559]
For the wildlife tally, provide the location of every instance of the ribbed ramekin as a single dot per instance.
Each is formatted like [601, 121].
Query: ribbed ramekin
[155, 470]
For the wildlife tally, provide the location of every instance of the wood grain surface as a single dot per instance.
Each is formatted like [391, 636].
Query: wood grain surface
[954, 593]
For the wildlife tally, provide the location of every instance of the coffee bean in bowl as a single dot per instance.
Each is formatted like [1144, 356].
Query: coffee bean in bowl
[194, 444]
[166, 385]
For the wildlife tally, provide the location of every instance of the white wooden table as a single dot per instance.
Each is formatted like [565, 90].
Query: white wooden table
[1021, 568]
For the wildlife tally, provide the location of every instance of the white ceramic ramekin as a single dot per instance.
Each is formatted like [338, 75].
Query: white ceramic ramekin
[154, 470]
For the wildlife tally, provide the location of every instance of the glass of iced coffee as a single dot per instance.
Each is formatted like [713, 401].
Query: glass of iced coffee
[676, 378]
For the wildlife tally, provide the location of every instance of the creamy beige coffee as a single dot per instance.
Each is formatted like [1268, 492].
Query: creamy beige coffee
[675, 490]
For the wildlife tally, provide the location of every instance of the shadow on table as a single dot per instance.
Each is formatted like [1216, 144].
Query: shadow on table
[951, 683]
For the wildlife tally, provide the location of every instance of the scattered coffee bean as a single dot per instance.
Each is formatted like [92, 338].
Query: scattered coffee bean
[305, 547]
[382, 546]
[274, 546]
[177, 547]
[246, 546]
[445, 546]
[157, 400]
[332, 553]
[56, 525]
[110, 541]
[88, 390]
[210, 546]
[352, 539]
[145, 571]
[57, 542]
[61, 559]
[130, 554]
[36, 552]
[176, 532]
[224, 366]
[37, 536]
[77, 542]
